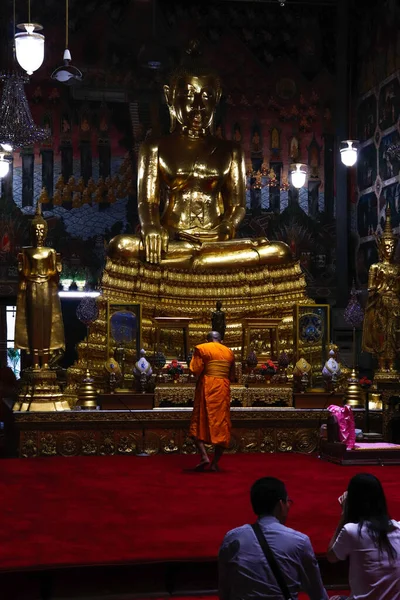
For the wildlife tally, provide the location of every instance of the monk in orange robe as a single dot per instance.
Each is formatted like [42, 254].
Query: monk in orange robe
[214, 365]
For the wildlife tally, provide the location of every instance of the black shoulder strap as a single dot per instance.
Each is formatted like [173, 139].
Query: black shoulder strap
[271, 560]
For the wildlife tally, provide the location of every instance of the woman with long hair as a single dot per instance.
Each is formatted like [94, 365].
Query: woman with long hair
[370, 539]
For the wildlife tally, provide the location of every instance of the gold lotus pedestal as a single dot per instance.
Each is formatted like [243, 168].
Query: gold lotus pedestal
[40, 392]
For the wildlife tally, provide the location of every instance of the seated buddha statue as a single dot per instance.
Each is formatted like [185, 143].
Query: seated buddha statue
[202, 178]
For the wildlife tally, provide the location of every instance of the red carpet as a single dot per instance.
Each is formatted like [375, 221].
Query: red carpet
[122, 509]
[301, 596]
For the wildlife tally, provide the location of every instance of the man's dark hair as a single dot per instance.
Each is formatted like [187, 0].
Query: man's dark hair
[265, 494]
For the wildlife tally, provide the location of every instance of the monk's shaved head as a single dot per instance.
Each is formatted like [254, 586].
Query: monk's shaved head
[214, 336]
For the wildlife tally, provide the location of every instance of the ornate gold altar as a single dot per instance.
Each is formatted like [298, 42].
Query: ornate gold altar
[123, 432]
[191, 201]
[241, 396]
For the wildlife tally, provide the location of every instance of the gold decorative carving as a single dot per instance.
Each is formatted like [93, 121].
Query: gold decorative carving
[306, 441]
[249, 441]
[107, 445]
[174, 395]
[285, 440]
[126, 443]
[188, 445]
[89, 444]
[170, 441]
[267, 443]
[28, 444]
[48, 445]
[152, 443]
[69, 444]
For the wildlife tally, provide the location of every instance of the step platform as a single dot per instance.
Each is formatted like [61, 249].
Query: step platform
[364, 453]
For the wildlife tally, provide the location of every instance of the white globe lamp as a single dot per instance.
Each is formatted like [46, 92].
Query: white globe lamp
[298, 175]
[4, 166]
[29, 47]
[348, 152]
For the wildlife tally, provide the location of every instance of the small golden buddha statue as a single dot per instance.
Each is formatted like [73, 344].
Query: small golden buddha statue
[80, 185]
[72, 183]
[86, 197]
[205, 183]
[76, 200]
[66, 194]
[39, 324]
[60, 183]
[381, 329]
[57, 198]
[44, 197]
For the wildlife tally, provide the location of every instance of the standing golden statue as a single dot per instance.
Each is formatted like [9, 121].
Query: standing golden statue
[204, 181]
[381, 329]
[39, 325]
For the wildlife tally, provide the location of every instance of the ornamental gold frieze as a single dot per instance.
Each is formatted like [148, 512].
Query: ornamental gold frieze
[90, 418]
[162, 440]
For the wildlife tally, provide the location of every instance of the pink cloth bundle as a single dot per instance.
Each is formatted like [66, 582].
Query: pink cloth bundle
[347, 428]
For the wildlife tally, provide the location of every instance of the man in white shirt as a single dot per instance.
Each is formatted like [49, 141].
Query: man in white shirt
[244, 572]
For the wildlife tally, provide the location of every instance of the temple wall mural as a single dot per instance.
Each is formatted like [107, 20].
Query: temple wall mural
[378, 129]
[278, 90]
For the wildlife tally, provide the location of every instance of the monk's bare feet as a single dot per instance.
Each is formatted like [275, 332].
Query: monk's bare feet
[202, 465]
[214, 468]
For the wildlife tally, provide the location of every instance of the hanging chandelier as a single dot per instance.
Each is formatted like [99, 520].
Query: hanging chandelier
[17, 128]
[67, 73]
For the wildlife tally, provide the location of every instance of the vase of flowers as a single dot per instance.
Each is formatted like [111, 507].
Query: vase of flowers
[268, 370]
[174, 370]
[365, 383]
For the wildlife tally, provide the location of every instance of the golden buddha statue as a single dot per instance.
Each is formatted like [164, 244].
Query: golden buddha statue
[191, 200]
[381, 328]
[39, 325]
[205, 183]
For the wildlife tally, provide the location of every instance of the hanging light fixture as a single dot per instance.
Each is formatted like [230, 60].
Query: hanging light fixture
[152, 54]
[348, 152]
[298, 175]
[67, 73]
[4, 165]
[29, 45]
[17, 128]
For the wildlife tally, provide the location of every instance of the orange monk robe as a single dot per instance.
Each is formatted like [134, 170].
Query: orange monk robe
[214, 365]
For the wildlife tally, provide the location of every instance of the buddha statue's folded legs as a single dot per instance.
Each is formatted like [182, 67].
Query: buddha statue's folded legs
[209, 256]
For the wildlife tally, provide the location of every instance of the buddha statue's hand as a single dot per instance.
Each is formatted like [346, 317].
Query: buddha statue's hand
[226, 231]
[155, 241]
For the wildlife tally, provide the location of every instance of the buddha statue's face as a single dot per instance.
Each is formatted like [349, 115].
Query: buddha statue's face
[388, 247]
[193, 100]
[39, 233]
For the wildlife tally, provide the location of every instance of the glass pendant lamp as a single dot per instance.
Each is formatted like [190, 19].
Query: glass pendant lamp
[67, 73]
[29, 44]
